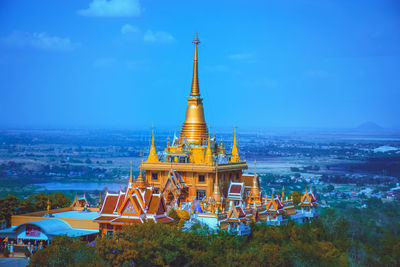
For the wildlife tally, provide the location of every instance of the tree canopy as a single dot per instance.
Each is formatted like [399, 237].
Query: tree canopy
[368, 237]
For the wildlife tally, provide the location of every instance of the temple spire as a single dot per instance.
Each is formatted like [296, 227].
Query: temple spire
[216, 193]
[255, 183]
[194, 129]
[140, 182]
[48, 204]
[131, 177]
[99, 203]
[153, 153]
[195, 81]
[235, 153]
[208, 156]
[255, 188]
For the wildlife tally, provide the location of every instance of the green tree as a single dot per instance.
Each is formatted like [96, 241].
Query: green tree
[59, 200]
[8, 207]
[296, 195]
[66, 251]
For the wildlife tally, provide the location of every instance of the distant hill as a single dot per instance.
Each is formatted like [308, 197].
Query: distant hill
[369, 126]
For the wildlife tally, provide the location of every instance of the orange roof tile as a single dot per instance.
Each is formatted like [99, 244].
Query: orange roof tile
[109, 204]
[104, 218]
[154, 203]
[126, 220]
[248, 180]
[120, 201]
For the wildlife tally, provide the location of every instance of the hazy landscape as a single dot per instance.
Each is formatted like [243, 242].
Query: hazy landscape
[341, 166]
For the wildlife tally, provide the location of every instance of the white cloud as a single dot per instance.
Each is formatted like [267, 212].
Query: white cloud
[40, 40]
[160, 37]
[129, 29]
[112, 8]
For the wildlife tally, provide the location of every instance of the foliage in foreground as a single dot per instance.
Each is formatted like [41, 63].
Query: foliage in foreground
[160, 245]
[328, 241]
[66, 251]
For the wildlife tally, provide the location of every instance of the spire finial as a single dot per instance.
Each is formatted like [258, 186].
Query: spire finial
[48, 204]
[130, 176]
[196, 39]
[152, 134]
[153, 153]
[208, 159]
[140, 181]
[195, 81]
[255, 188]
[216, 193]
[235, 153]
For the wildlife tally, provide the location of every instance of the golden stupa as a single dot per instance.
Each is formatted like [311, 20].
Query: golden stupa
[194, 128]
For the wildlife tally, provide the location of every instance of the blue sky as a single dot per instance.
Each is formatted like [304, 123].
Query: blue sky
[128, 63]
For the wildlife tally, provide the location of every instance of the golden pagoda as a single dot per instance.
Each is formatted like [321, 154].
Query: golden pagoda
[235, 152]
[194, 129]
[255, 196]
[194, 154]
[153, 153]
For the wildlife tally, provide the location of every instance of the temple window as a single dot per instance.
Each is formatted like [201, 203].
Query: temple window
[154, 176]
[200, 194]
[202, 178]
[109, 229]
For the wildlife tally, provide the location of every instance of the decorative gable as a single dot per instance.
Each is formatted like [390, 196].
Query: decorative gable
[129, 208]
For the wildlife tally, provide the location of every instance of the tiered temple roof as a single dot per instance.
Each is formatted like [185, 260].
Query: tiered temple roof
[139, 203]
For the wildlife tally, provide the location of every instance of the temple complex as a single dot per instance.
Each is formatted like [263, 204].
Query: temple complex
[196, 174]
[193, 175]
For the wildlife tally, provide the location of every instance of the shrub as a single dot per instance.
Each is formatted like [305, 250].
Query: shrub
[6, 252]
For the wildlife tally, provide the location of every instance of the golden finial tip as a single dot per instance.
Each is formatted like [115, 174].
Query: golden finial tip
[196, 39]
